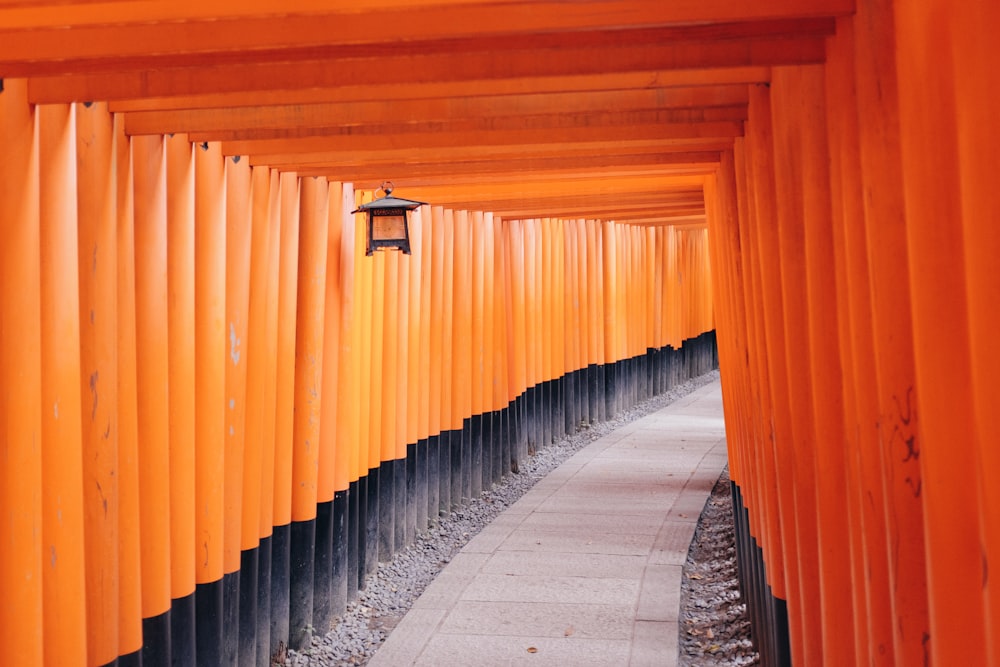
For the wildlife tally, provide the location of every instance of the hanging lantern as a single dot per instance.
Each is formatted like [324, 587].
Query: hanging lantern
[387, 224]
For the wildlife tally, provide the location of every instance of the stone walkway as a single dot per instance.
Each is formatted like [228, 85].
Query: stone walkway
[585, 568]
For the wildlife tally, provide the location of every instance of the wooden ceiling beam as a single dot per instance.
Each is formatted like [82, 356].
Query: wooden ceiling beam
[680, 133]
[676, 122]
[666, 188]
[290, 153]
[187, 44]
[402, 19]
[367, 176]
[639, 79]
[121, 83]
[732, 97]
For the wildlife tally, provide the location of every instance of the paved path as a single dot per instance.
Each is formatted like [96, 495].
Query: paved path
[585, 569]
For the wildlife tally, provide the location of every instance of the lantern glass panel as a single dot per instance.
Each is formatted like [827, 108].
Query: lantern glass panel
[389, 225]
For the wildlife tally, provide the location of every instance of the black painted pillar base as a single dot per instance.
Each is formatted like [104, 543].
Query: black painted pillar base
[410, 484]
[182, 644]
[462, 466]
[768, 614]
[444, 473]
[421, 501]
[475, 466]
[208, 624]
[398, 480]
[302, 559]
[248, 606]
[280, 591]
[386, 510]
[372, 521]
[323, 567]
[339, 555]
[354, 555]
[433, 472]
[263, 604]
[231, 619]
[156, 640]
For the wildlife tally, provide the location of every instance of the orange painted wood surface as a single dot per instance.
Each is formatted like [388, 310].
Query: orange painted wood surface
[64, 622]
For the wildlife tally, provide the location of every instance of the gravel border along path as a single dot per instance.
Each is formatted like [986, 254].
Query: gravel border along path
[394, 587]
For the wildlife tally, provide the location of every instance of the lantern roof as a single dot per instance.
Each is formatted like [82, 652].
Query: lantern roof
[389, 202]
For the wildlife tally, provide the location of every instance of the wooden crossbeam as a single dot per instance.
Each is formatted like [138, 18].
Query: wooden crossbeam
[319, 71]
[726, 103]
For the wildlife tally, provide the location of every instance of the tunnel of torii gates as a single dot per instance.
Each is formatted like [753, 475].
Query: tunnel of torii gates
[218, 414]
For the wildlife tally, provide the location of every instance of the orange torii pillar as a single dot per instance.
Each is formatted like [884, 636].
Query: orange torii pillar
[387, 349]
[328, 577]
[152, 374]
[476, 360]
[310, 319]
[517, 353]
[361, 338]
[63, 626]
[254, 625]
[180, 244]
[210, 389]
[345, 449]
[238, 245]
[408, 434]
[595, 323]
[422, 226]
[433, 230]
[21, 469]
[450, 439]
[782, 580]
[288, 211]
[461, 378]
[947, 139]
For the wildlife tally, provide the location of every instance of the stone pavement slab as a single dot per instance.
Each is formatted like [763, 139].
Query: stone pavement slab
[585, 568]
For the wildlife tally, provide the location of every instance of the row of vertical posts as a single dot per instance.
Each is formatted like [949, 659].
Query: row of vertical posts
[854, 248]
[219, 416]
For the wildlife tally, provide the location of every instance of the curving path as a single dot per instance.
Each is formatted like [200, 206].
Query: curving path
[585, 568]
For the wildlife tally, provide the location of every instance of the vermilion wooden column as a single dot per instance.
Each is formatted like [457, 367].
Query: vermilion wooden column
[21, 505]
[238, 248]
[181, 400]
[345, 447]
[288, 211]
[210, 390]
[64, 623]
[477, 406]
[515, 274]
[898, 418]
[856, 339]
[386, 395]
[826, 372]
[128, 447]
[978, 99]
[782, 566]
[436, 402]
[408, 435]
[330, 590]
[789, 166]
[401, 388]
[445, 220]
[252, 578]
[269, 332]
[152, 370]
[931, 120]
[108, 596]
[307, 413]
[425, 403]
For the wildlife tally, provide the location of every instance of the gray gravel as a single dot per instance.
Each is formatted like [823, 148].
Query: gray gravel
[394, 587]
[714, 628]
